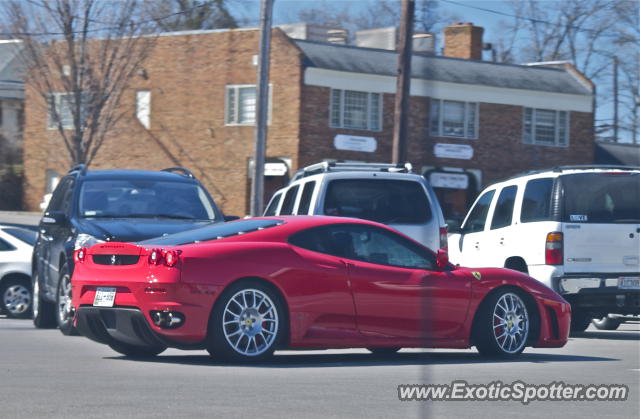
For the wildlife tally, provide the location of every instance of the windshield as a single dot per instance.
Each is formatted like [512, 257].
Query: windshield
[382, 200]
[144, 199]
[601, 197]
[213, 232]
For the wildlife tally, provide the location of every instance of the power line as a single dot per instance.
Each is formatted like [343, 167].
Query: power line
[530, 19]
[113, 25]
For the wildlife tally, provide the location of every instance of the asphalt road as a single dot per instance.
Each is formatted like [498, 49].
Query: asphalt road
[45, 374]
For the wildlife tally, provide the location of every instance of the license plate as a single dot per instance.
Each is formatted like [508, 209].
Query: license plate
[104, 297]
[629, 282]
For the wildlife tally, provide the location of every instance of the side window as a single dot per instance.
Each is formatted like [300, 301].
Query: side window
[289, 201]
[365, 243]
[536, 203]
[503, 213]
[57, 199]
[4, 246]
[68, 196]
[305, 199]
[273, 205]
[381, 247]
[478, 215]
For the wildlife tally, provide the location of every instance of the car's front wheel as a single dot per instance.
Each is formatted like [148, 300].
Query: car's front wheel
[607, 323]
[503, 324]
[15, 297]
[579, 321]
[44, 312]
[247, 324]
[63, 303]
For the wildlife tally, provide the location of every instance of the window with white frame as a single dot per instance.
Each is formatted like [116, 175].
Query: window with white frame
[143, 107]
[241, 105]
[450, 118]
[356, 110]
[546, 127]
[60, 109]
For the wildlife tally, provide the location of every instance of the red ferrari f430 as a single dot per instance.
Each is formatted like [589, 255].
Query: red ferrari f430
[243, 289]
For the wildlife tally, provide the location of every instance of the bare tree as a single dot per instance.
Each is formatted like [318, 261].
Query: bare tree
[79, 57]
[183, 15]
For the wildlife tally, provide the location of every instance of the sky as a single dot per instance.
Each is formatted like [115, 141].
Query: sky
[285, 11]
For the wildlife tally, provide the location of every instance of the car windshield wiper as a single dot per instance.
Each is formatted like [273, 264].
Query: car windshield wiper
[172, 216]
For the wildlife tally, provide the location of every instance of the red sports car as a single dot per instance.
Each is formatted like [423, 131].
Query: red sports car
[245, 288]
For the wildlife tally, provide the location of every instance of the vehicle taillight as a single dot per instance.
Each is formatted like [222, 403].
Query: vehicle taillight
[80, 255]
[553, 251]
[443, 238]
[169, 257]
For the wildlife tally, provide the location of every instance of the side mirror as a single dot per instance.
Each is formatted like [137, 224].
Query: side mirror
[231, 218]
[442, 258]
[54, 218]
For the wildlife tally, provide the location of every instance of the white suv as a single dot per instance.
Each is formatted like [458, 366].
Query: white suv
[388, 194]
[574, 228]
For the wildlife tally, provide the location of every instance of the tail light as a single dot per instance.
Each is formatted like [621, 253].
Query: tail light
[80, 255]
[553, 251]
[168, 257]
[443, 238]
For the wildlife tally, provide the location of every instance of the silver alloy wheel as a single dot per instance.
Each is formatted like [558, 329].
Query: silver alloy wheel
[36, 297]
[250, 322]
[16, 299]
[510, 323]
[64, 299]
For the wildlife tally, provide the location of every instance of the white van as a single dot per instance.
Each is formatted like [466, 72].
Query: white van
[385, 193]
[574, 228]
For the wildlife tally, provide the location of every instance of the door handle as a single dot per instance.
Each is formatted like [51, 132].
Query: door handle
[477, 245]
[501, 241]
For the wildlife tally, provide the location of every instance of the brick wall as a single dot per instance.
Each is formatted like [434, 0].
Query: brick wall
[498, 152]
[187, 76]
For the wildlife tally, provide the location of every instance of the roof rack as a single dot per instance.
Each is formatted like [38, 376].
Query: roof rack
[180, 170]
[82, 168]
[560, 169]
[325, 167]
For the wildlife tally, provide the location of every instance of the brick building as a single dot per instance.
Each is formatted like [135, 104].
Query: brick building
[471, 121]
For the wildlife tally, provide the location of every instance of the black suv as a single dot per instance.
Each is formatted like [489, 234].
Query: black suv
[89, 207]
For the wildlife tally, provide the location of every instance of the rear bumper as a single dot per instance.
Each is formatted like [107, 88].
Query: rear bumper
[605, 300]
[121, 324]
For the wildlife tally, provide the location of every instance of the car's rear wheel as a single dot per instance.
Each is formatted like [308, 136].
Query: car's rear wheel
[247, 324]
[503, 324]
[135, 351]
[15, 297]
[606, 323]
[383, 351]
[44, 312]
[580, 321]
[63, 303]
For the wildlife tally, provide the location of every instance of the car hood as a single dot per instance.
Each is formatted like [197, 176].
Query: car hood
[135, 229]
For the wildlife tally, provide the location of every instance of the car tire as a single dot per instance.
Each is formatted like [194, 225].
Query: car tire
[16, 298]
[64, 314]
[579, 321]
[44, 312]
[502, 324]
[383, 352]
[135, 351]
[606, 323]
[247, 323]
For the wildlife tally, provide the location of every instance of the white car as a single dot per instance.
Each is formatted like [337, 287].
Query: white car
[16, 249]
[386, 193]
[574, 228]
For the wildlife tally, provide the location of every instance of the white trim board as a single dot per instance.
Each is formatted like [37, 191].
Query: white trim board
[452, 91]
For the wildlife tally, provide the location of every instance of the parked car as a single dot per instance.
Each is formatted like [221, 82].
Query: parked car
[89, 207]
[385, 193]
[245, 288]
[576, 229]
[16, 247]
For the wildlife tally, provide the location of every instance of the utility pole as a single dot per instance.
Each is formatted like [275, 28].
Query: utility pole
[615, 99]
[401, 112]
[262, 108]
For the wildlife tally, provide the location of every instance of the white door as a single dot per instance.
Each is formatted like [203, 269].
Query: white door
[473, 237]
